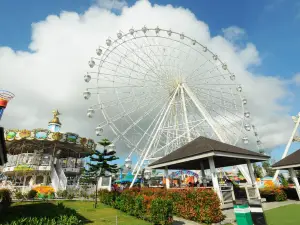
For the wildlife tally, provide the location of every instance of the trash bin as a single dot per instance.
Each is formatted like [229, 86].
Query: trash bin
[257, 212]
[242, 212]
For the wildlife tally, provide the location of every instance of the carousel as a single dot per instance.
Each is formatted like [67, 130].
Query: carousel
[44, 157]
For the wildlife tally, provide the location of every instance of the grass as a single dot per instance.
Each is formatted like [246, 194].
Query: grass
[284, 215]
[103, 215]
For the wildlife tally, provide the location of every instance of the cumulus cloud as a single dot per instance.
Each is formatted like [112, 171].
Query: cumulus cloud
[296, 79]
[233, 33]
[50, 76]
[112, 4]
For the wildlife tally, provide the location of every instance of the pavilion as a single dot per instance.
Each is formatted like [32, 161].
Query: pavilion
[210, 154]
[291, 163]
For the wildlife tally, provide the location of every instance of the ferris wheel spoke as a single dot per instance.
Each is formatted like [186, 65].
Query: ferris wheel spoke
[156, 63]
[211, 77]
[174, 140]
[204, 72]
[125, 59]
[135, 123]
[144, 61]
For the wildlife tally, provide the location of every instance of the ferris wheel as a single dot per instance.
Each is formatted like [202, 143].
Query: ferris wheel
[158, 90]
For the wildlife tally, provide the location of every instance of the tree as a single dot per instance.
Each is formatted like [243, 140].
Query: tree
[257, 171]
[266, 165]
[99, 165]
[284, 182]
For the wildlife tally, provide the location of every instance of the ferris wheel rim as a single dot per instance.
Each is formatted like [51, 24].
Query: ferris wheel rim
[110, 50]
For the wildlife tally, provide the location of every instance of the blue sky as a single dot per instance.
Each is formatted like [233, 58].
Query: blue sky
[272, 25]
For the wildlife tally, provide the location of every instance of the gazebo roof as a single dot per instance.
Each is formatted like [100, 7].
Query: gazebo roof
[190, 155]
[291, 161]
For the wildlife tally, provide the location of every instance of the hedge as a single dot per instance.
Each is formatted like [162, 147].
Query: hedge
[158, 205]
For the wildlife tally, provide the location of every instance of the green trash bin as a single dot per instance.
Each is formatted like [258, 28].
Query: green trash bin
[242, 212]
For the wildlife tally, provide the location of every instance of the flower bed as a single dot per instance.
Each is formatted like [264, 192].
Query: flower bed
[158, 205]
[273, 193]
[44, 192]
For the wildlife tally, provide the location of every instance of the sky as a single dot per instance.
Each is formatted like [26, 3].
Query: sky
[45, 46]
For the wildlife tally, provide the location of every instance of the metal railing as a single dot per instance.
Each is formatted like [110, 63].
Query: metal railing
[62, 177]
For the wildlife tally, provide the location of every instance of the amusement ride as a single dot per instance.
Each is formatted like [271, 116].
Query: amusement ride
[158, 89]
[44, 157]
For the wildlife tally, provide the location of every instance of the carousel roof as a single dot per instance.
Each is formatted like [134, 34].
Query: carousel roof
[14, 138]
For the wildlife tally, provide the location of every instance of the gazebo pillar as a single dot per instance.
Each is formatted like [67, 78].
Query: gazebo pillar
[167, 178]
[295, 180]
[214, 177]
[252, 176]
[203, 176]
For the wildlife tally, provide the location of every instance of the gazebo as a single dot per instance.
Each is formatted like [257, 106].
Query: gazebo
[291, 163]
[210, 154]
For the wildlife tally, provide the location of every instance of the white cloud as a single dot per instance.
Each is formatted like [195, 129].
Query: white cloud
[112, 4]
[51, 76]
[233, 33]
[296, 79]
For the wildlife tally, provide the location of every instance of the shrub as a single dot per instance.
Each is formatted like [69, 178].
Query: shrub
[19, 195]
[31, 194]
[66, 220]
[273, 193]
[5, 198]
[70, 196]
[161, 211]
[280, 195]
[200, 205]
[62, 193]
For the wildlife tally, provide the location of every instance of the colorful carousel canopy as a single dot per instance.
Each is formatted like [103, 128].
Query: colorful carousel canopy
[49, 140]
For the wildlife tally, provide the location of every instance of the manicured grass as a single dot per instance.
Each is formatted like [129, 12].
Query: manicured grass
[103, 215]
[284, 215]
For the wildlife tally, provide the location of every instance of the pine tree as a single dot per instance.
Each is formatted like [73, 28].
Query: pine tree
[99, 165]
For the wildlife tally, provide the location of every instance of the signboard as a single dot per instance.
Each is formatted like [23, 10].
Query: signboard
[184, 172]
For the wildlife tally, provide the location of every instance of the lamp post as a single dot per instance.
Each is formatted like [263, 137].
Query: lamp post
[5, 97]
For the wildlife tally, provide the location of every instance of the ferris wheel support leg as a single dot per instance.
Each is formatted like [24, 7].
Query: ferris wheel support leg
[203, 112]
[185, 114]
[154, 137]
[288, 144]
[212, 124]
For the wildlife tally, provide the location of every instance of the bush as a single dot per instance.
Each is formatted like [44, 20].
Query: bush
[5, 198]
[19, 195]
[31, 194]
[273, 194]
[158, 205]
[161, 211]
[65, 220]
[62, 193]
[70, 196]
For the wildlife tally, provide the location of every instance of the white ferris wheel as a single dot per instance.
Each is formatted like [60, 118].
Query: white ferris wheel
[158, 90]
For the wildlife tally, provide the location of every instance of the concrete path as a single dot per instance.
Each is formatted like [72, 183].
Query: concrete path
[273, 205]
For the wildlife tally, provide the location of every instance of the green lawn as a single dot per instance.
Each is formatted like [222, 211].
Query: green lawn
[103, 215]
[284, 215]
